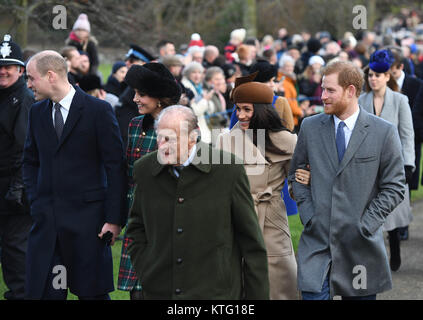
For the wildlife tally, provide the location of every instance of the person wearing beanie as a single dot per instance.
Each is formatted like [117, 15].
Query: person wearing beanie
[266, 147]
[382, 99]
[81, 38]
[15, 220]
[236, 38]
[196, 41]
[115, 84]
[155, 89]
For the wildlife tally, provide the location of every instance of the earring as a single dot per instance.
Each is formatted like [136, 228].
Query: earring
[159, 105]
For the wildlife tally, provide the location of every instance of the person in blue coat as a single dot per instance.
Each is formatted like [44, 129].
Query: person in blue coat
[74, 172]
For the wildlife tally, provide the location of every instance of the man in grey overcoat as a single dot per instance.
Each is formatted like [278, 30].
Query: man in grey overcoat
[357, 179]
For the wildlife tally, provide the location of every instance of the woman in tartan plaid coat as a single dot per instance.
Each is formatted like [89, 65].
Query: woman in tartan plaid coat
[155, 89]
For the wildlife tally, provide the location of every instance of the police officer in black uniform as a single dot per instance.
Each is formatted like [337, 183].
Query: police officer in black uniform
[15, 221]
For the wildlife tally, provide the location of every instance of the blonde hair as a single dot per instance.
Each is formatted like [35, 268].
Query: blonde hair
[50, 60]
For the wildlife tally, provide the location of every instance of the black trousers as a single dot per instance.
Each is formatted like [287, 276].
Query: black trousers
[54, 291]
[14, 231]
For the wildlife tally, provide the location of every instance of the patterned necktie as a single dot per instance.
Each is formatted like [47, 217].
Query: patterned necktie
[340, 140]
[58, 120]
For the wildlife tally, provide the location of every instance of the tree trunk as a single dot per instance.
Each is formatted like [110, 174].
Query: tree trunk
[250, 18]
[22, 28]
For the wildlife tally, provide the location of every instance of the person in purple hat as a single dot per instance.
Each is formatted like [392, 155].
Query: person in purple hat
[382, 99]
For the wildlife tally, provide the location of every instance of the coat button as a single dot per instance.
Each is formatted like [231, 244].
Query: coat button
[180, 230]
[143, 133]
[178, 291]
[179, 260]
[181, 200]
[137, 150]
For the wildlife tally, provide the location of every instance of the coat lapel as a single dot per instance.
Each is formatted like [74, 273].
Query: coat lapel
[75, 112]
[47, 120]
[367, 103]
[387, 101]
[328, 137]
[358, 135]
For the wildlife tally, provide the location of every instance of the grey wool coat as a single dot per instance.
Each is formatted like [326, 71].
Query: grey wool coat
[397, 111]
[346, 204]
[196, 236]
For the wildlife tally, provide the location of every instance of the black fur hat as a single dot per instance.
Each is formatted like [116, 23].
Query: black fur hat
[153, 79]
[266, 71]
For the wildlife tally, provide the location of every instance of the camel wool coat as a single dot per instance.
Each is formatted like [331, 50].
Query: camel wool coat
[266, 173]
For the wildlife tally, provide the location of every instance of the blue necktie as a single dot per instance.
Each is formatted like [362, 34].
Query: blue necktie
[340, 140]
[58, 120]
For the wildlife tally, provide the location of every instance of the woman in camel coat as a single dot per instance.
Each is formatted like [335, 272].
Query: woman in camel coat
[267, 167]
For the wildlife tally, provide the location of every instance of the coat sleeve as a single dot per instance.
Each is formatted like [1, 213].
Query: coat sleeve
[406, 132]
[113, 157]
[31, 161]
[391, 184]
[19, 135]
[249, 238]
[418, 114]
[301, 192]
[285, 112]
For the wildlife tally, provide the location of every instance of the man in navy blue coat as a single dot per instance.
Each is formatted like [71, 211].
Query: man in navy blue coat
[74, 172]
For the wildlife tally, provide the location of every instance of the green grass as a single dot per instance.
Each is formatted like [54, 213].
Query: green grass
[105, 70]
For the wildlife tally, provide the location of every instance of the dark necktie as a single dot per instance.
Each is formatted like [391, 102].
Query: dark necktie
[340, 140]
[58, 120]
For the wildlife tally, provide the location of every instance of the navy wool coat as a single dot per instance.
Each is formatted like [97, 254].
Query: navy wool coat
[74, 186]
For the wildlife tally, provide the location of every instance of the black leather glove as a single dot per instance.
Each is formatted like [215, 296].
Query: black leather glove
[15, 195]
[408, 174]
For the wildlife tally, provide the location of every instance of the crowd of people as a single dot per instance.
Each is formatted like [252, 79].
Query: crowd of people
[82, 159]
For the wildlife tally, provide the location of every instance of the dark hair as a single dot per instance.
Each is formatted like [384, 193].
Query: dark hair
[266, 117]
[392, 83]
[163, 43]
[148, 121]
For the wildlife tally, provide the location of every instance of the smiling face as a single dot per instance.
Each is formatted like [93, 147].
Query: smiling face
[333, 95]
[196, 76]
[9, 75]
[378, 81]
[244, 112]
[39, 84]
[174, 140]
[146, 104]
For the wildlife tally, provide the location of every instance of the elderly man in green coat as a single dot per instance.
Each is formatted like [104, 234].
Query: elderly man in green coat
[194, 229]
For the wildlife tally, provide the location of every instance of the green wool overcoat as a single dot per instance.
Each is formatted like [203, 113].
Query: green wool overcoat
[196, 236]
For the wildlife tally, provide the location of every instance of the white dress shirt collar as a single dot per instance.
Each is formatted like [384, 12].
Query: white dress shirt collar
[349, 122]
[67, 100]
[400, 80]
